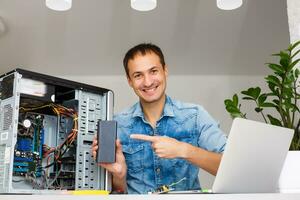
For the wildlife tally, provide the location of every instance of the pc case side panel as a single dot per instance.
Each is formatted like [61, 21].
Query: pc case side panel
[90, 110]
[109, 105]
[9, 111]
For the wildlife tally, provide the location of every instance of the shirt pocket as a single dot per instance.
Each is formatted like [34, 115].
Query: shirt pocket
[182, 137]
[134, 155]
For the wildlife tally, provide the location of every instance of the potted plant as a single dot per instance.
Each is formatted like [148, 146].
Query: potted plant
[282, 98]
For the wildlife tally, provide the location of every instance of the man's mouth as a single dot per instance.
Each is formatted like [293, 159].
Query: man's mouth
[149, 90]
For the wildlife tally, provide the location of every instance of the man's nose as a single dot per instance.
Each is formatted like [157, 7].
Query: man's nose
[147, 80]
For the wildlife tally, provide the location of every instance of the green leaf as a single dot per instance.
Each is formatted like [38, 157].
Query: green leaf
[235, 115]
[294, 54]
[291, 76]
[297, 72]
[273, 79]
[257, 109]
[271, 94]
[262, 98]
[252, 92]
[274, 121]
[284, 59]
[293, 46]
[256, 92]
[292, 65]
[235, 100]
[288, 105]
[232, 109]
[234, 112]
[277, 92]
[277, 108]
[276, 54]
[272, 88]
[276, 68]
[279, 74]
[284, 54]
[295, 108]
[228, 102]
[289, 80]
[248, 98]
[276, 101]
[287, 92]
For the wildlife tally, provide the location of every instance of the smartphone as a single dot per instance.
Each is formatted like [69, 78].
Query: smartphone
[107, 134]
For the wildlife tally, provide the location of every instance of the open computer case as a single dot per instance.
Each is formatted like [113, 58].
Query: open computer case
[47, 125]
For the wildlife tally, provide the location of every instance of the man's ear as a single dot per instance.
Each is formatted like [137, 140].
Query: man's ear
[166, 70]
[129, 81]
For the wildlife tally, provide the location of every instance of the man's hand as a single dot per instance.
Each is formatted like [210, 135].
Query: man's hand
[119, 168]
[164, 147]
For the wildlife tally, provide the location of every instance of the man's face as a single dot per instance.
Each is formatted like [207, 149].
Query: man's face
[147, 77]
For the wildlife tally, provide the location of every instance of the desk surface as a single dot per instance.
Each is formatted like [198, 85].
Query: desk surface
[276, 196]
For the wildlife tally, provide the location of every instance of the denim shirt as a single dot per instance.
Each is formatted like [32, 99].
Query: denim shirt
[185, 122]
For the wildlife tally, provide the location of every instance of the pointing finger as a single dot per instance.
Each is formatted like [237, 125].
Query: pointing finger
[143, 137]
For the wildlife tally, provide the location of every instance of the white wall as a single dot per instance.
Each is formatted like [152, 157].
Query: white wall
[293, 10]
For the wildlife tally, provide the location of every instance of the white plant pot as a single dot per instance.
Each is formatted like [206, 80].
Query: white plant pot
[289, 181]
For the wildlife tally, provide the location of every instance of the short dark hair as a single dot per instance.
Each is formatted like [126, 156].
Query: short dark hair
[143, 49]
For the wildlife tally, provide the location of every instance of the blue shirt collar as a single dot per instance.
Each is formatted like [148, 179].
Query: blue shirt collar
[168, 109]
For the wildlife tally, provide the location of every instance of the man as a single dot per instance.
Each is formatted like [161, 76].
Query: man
[161, 141]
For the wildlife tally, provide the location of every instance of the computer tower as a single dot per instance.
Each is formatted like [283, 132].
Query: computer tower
[47, 125]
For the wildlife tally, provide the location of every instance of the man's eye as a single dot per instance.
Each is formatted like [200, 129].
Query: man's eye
[137, 76]
[154, 71]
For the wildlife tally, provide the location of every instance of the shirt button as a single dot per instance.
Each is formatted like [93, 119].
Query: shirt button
[158, 170]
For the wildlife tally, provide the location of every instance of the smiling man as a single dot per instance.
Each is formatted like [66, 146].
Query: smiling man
[162, 141]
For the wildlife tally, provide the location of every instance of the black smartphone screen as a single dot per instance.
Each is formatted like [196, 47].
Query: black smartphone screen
[107, 133]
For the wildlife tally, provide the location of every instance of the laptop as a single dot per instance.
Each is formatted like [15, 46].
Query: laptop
[253, 158]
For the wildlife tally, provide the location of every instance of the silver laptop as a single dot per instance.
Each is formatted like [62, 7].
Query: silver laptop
[253, 158]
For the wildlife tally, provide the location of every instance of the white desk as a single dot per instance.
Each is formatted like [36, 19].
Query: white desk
[277, 196]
